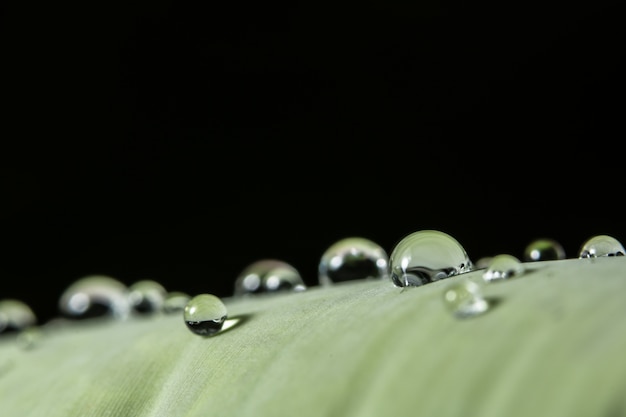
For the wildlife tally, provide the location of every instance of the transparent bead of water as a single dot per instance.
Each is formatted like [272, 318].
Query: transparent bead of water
[503, 266]
[426, 256]
[15, 315]
[268, 276]
[353, 258]
[175, 302]
[205, 314]
[543, 249]
[96, 296]
[147, 296]
[464, 298]
[600, 246]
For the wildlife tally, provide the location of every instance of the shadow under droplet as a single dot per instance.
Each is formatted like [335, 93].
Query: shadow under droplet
[492, 302]
[230, 323]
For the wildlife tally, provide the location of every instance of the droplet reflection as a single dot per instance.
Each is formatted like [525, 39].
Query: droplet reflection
[353, 258]
[426, 256]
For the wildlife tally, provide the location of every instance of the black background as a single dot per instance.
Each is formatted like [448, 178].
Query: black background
[180, 141]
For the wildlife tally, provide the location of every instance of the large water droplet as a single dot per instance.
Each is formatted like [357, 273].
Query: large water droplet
[268, 275]
[543, 249]
[503, 266]
[95, 296]
[426, 256]
[147, 296]
[205, 314]
[464, 299]
[353, 258]
[601, 245]
[175, 302]
[15, 315]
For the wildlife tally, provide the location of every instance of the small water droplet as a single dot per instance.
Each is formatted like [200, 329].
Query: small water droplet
[503, 266]
[601, 245]
[205, 314]
[426, 256]
[29, 337]
[543, 249]
[268, 276]
[15, 315]
[147, 296]
[353, 258]
[175, 302]
[95, 296]
[483, 262]
[464, 299]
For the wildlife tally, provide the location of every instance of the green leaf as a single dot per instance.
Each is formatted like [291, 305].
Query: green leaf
[552, 345]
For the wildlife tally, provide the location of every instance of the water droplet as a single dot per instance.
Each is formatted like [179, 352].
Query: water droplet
[503, 266]
[175, 302]
[95, 296]
[15, 315]
[205, 314]
[483, 262]
[601, 245]
[267, 276]
[353, 258]
[464, 299]
[426, 256]
[29, 337]
[147, 296]
[543, 249]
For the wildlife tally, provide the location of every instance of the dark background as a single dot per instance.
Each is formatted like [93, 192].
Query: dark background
[180, 141]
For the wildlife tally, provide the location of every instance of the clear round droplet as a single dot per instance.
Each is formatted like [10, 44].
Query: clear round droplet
[503, 266]
[205, 314]
[600, 246]
[15, 315]
[175, 302]
[147, 296]
[426, 256]
[544, 249]
[353, 258]
[268, 276]
[95, 296]
[464, 298]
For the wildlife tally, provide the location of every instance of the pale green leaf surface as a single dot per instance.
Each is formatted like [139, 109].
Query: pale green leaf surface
[553, 345]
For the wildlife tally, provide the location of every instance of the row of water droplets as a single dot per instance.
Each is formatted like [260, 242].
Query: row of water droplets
[419, 258]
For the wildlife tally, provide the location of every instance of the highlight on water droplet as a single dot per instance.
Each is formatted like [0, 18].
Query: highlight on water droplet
[147, 296]
[96, 296]
[353, 258]
[175, 302]
[464, 298]
[601, 246]
[543, 249]
[15, 315]
[503, 266]
[268, 276]
[205, 314]
[426, 256]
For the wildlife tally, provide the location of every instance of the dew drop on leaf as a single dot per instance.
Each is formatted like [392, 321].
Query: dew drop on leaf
[543, 249]
[426, 256]
[601, 245]
[175, 302]
[147, 296]
[205, 314]
[464, 299]
[268, 276]
[95, 296]
[353, 258]
[503, 266]
[15, 315]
